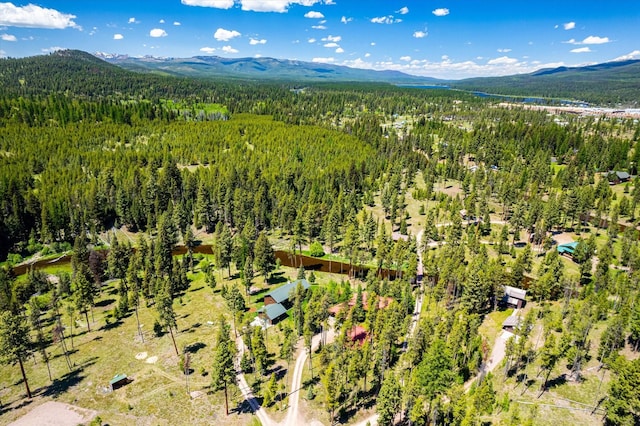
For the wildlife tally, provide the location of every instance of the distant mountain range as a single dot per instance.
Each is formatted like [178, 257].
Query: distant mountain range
[612, 83]
[616, 82]
[259, 69]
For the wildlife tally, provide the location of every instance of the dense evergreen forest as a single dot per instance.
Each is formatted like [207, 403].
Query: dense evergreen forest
[476, 194]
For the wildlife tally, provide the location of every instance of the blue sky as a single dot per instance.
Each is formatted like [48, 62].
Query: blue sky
[438, 38]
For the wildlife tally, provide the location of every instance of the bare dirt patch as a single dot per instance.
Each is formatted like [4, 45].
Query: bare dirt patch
[56, 414]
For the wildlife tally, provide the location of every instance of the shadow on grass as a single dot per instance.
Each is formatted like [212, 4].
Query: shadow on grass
[62, 385]
[104, 302]
[278, 279]
[195, 347]
[557, 381]
[111, 325]
[10, 406]
[196, 289]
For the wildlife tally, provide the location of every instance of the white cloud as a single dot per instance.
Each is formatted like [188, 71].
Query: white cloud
[323, 60]
[447, 68]
[420, 34]
[589, 40]
[254, 41]
[8, 37]
[52, 49]
[161, 21]
[631, 55]
[313, 15]
[132, 20]
[596, 40]
[441, 12]
[118, 36]
[208, 50]
[581, 50]
[503, 60]
[504, 50]
[332, 38]
[366, 55]
[3, 54]
[403, 10]
[158, 32]
[346, 20]
[312, 40]
[229, 49]
[339, 50]
[405, 58]
[280, 6]
[331, 45]
[329, 2]
[218, 4]
[373, 43]
[176, 23]
[32, 16]
[225, 35]
[386, 20]
[569, 25]
[318, 27]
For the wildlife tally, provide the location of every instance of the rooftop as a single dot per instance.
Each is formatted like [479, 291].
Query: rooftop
[273, 311]
[282, 293]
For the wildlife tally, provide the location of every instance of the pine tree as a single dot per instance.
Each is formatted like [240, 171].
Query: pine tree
[223, 371]
[164, 305]
[15, 343]
[389, 400]
[264, 256]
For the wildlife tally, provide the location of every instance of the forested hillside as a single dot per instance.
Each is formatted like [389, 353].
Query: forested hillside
[153, 220]
[611, 83]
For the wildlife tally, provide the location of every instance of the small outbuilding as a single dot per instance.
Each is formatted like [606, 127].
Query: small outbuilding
[118, 381]
[514, 297]
[511, 323]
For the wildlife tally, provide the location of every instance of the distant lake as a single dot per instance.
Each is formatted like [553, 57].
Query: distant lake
[510, 98]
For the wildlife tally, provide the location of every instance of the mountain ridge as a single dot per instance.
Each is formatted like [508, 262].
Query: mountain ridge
[264, 68]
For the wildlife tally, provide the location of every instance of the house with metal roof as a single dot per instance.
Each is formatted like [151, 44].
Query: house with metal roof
[284, 292]
[568, 248]
[278, 301]
[514, 297]
[272, 313]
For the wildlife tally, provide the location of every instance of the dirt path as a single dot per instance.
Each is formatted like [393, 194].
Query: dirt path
[294, 417]
[495, 358]
[246, 390]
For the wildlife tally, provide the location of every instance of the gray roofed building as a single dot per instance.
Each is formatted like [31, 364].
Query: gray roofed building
[272, 312]
[282, 293]
[511, 323]
[514, 297]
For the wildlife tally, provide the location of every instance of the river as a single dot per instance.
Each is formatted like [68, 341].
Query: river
[286, 259]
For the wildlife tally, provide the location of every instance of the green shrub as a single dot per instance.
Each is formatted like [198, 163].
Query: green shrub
[316, 249]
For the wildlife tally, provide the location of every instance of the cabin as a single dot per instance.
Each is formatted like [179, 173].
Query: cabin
[618, 177]
[278, 302]
[272, 314]
[511, 324]
[568, 248]
[282, 294]
[514, 297]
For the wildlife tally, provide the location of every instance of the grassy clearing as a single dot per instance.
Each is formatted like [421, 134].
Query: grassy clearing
[492, 325]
